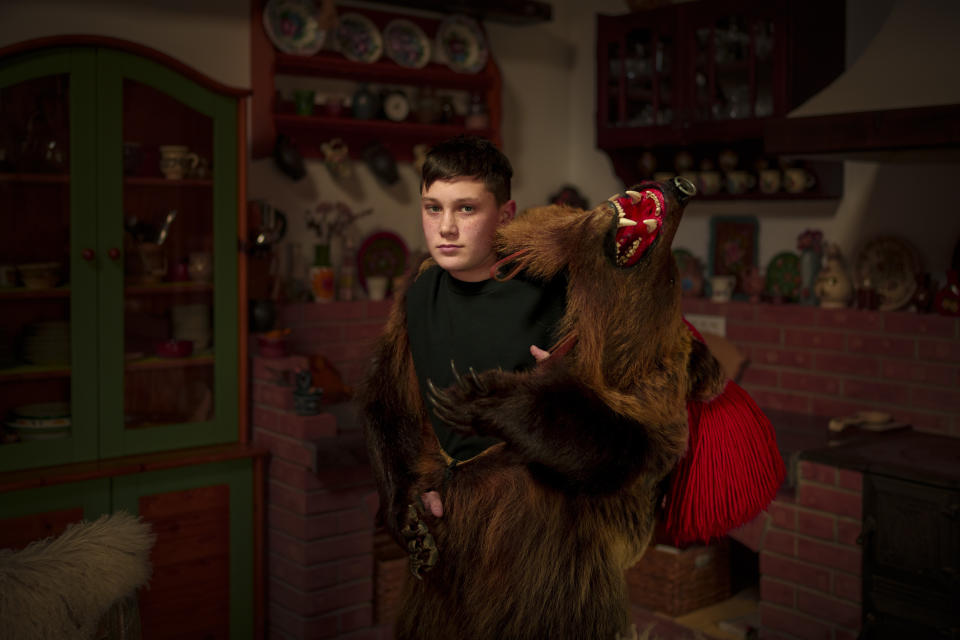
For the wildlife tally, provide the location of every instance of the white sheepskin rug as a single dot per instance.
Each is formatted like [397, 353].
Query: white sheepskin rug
[61, 587]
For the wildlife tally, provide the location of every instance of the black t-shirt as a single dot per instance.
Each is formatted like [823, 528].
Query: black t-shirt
[483, 325]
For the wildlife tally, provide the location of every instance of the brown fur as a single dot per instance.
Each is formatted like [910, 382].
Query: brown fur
[537, 530]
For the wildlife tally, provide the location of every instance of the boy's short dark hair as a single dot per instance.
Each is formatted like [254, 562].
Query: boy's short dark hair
[469, 156]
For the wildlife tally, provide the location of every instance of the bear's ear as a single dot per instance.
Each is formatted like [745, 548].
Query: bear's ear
[707, 377]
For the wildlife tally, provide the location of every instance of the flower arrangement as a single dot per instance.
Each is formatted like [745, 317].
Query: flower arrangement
[810, 240]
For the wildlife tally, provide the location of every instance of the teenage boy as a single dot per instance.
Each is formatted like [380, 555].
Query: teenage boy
[456, 313]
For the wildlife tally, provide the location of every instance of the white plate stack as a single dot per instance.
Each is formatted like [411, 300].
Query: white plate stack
[44, 421]
[192, 322]
[47, 343]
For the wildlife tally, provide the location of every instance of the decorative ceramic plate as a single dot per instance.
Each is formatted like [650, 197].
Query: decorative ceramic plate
[358, 38]
[292, 26]
[382, 253]
[406, 44]
[783, 276]
[461, 44]
[892, 266]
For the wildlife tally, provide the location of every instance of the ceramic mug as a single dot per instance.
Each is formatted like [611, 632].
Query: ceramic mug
[797, 180]
[721, 288]
[770, 180]
[709, 182]
[303, 101]
[154, 261]
[176, 160]
[377, 287]
[740, 181]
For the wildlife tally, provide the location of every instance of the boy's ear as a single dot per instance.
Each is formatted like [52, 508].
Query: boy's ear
[507, 211]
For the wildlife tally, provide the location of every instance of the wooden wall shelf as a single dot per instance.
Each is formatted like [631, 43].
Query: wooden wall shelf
[271, 115]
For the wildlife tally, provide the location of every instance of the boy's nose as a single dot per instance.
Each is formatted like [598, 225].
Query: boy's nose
[448, 224]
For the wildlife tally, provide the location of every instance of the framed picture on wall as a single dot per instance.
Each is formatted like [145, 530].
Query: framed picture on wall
[733, 246]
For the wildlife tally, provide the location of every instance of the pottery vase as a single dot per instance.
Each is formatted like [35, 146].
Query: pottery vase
[809, 268]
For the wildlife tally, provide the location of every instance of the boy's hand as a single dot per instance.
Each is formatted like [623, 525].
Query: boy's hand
[539, 354]
[431, 502]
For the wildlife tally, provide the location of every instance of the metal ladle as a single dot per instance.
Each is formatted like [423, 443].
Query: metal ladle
[166, 226]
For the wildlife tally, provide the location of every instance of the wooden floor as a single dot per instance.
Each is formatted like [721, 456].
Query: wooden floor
[731, 619]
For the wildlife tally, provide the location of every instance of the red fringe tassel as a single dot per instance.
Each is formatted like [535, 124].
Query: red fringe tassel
[731, 471]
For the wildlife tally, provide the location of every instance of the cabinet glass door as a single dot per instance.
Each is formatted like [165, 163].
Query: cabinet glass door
[48, 260]
[733, 68]
[168, 159]
[640, 88]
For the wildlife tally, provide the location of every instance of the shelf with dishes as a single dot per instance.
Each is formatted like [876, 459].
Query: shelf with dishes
[393, 78]
[168, 288]
[36, 178]
[28, 293]
[331, 65]
[312, 132]
[144, 363]
[34, 372]
[134, 181]
[138, 363]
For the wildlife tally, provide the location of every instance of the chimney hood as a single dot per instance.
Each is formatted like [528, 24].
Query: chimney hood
[898, 102]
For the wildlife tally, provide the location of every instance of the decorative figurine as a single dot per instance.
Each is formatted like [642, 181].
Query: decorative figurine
[306, 398]
[833, 285]
[947, 302]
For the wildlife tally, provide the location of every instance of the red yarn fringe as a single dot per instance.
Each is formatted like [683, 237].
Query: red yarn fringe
[731, 471]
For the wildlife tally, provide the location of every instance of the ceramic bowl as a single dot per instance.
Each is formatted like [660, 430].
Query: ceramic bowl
[174, 348]
[39, 275]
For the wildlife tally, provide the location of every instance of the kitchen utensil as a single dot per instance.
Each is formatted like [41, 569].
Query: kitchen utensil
[166, 226]
[288, 158]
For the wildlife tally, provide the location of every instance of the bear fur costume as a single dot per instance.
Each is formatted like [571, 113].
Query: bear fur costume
[538, 530]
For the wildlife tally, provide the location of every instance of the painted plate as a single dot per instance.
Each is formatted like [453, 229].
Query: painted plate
[382, 253]
[406, 44]
[461, 44]
[783, 276]
[292, 26]
[892, 265]
[358, 38]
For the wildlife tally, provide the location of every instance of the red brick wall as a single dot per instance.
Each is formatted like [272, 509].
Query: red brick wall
[320, 513]
[834, 362]
[804, 359]
[343, 332]
[826, 362]
[810, 563]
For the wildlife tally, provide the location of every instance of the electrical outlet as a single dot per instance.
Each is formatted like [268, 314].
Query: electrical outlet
[717, 325]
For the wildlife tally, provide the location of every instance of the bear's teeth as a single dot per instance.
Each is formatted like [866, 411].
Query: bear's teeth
[651, 224]
[627, 222]
[634, 196]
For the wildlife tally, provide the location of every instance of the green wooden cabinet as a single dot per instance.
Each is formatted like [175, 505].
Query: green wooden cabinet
[119, 201]
[202, 561]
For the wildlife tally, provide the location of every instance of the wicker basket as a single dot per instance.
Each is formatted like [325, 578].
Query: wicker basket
[677, 581]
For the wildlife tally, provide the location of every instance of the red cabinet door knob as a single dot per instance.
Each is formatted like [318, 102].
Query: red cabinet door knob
[88, 254]
[114, 253]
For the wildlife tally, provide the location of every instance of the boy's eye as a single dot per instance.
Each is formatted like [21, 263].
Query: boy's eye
[467, 208]
[432, 208]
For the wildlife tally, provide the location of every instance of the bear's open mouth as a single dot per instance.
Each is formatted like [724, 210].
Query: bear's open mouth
[640, 218]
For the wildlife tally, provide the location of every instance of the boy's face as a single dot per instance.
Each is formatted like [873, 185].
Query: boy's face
[460, 219]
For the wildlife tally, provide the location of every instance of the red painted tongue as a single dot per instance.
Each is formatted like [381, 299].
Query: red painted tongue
[640, 207]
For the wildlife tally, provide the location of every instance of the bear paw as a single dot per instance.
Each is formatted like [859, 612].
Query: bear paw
[420, 543]
[458, 406]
